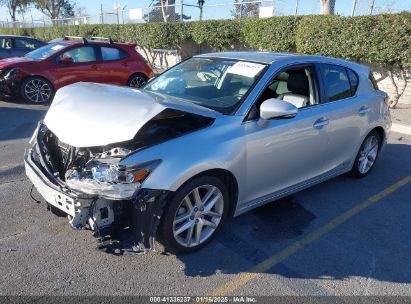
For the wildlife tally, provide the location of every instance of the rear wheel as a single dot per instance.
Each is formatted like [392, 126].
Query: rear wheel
[37, 90]
[367, 155]
[194, 215]
[137, 80]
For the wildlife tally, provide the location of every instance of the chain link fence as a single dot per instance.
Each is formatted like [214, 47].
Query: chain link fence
[193, 10]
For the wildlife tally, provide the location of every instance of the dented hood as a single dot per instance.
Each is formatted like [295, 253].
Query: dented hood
[91, 114]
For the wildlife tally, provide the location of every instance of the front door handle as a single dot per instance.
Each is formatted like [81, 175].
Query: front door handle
[94, 67]
[363, 110]
[321, 122]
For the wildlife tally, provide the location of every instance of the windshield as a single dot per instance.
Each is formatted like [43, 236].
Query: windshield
[46, 51]
[215, 83]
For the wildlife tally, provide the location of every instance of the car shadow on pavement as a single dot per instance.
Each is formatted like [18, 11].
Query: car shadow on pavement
[245, 240]
[17, 123]
[373, 244]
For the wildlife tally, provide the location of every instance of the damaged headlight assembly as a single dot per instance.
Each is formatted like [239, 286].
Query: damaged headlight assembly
[109, 179]
[8, 73]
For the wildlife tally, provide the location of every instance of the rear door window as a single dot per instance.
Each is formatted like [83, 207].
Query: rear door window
[80, 54]
[25, 44]
[111, 53]
[336, 82]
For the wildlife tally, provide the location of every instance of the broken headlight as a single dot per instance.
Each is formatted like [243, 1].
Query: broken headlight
[109, 179]
[8, 73]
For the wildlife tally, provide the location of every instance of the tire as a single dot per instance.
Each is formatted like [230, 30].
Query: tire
[177, 215]
[37, 90]
[367, 155]
[137, 80]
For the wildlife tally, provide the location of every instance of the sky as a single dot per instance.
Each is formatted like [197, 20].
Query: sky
[218, 9]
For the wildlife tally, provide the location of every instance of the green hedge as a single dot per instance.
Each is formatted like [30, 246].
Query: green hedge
[379, 39]
[382, 39]
[273, 34]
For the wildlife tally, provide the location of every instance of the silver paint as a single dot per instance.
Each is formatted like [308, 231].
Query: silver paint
[268, 160]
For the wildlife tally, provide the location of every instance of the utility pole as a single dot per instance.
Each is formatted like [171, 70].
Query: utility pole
[122, 13]
[297, 2]
[101, 12]
[200, 5]
[354, 5]
[181, 10]
[372, 6]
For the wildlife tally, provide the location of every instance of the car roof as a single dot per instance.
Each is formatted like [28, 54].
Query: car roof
[95, 42]
[271, 58]
[16, 36]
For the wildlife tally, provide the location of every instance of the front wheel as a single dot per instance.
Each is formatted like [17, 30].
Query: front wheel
[194, 215]
[37, 90]
[137, 80]
[367, 155]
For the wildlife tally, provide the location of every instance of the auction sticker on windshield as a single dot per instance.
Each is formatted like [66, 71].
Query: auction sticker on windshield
[248, 69]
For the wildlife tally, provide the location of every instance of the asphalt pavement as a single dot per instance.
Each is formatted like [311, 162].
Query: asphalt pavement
[343, 237]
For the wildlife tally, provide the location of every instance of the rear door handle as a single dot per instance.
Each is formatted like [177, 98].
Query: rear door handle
[363, 110]
[321, 122]
[94, 66]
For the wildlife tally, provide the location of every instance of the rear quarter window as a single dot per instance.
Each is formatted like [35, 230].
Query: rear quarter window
[352, 76]
[111, 53]
[336, 82]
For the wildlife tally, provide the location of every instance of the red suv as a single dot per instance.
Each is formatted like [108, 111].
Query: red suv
[41, 72]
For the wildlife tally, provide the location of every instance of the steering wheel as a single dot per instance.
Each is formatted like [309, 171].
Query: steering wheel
[238, 96]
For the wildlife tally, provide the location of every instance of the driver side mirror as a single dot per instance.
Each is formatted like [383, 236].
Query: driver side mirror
[66, 60]
[274, 108]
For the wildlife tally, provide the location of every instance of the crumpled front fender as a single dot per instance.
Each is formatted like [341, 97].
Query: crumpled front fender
[8, 83]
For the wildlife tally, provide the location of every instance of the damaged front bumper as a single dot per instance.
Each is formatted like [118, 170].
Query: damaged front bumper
[141, 214]
[9, 84]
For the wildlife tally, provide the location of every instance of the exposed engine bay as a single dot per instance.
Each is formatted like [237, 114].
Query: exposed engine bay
[95, 190]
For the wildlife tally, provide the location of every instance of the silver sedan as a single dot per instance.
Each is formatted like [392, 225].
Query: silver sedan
[215, 136]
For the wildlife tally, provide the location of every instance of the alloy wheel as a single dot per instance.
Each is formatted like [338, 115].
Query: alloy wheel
[137, 81]
[37, 91]
[368, 154]
[198, 215]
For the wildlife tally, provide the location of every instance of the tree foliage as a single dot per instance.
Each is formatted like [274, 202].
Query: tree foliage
[15, 6]
[54, 8]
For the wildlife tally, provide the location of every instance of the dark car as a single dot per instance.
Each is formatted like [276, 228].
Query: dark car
[15, 46]
[41, 72]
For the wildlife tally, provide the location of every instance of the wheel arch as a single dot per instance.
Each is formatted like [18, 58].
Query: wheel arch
[228, 178]
[137, 73]
[27, 76]
[381, 132]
